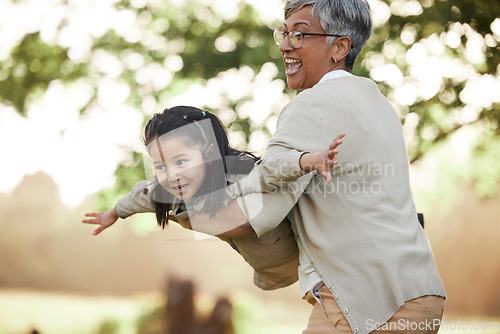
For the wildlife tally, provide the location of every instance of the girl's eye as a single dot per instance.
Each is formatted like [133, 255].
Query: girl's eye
[160, 167]
[181, 162]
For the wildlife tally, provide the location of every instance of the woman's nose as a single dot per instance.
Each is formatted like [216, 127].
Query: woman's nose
[285, 44]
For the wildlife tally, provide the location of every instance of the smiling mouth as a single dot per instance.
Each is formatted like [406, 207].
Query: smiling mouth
[292, 66]
[179, 189]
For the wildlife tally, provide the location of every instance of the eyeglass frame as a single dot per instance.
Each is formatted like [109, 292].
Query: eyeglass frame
[285, 34]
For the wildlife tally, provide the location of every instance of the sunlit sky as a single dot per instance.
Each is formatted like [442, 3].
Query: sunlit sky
[81, 152]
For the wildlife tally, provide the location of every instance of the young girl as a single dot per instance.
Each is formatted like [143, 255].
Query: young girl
[197, 171]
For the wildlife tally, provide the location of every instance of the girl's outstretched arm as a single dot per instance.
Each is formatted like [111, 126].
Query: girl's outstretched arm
[137, 201]
[103, 219]
[323, 161]
[278, 172]
[231, 222]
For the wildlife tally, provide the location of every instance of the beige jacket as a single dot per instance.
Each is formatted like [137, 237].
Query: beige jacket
[360, 232]
[274, 254]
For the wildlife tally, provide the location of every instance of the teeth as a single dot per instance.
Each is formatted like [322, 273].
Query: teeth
[291, 61]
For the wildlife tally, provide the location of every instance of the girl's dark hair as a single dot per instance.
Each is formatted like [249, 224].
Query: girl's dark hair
[208, 136]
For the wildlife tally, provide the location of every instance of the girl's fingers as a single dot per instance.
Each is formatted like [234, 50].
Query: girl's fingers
[91, 214]
[340, 136]
[91, 221]
[99, 229]
[335, 144]
[332, 153]
[327, 176]
[337, 141]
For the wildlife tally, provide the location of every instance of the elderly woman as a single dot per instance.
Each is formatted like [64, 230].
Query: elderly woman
[365, 262]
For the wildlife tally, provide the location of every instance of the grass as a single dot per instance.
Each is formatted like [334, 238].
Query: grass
[21, 311]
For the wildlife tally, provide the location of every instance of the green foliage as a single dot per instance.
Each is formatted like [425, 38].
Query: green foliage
[245, 315]
[32, 66]
[438, 17]
[152, 321]
[485, 167]
[109, 327]
[127, 175]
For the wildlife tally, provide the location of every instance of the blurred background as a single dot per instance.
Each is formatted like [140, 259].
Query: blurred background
[78, 78]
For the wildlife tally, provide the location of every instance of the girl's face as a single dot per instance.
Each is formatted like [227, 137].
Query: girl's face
[179, 167]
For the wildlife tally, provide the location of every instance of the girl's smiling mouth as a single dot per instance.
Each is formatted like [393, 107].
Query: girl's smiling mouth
[179, 189]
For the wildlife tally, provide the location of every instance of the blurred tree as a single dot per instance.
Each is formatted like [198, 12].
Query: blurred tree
[453, 32]
[430, 58]
[31, 67]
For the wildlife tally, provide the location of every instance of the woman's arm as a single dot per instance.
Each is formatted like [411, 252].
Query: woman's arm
[228, 222]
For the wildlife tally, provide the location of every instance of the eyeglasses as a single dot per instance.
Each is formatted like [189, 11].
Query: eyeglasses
[295, 38]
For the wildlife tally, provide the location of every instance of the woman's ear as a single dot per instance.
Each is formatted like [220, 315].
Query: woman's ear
[342, 45]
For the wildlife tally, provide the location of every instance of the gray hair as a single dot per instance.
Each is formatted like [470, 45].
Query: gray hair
[349, 18]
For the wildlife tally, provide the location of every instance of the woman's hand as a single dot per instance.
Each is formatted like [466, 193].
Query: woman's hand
[104, 219]
[323, 161]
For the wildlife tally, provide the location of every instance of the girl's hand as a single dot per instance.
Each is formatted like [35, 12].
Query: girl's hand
[104, 219]
[323, 161]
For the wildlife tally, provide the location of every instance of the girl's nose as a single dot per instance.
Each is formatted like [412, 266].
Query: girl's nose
[173, 175]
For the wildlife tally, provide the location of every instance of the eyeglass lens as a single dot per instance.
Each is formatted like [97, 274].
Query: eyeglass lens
[295, 38]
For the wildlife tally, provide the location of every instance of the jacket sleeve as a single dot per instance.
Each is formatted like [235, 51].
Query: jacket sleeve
[264, 211]
[138, 200]
[268, 175]
[273, 256]
[300, 128]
